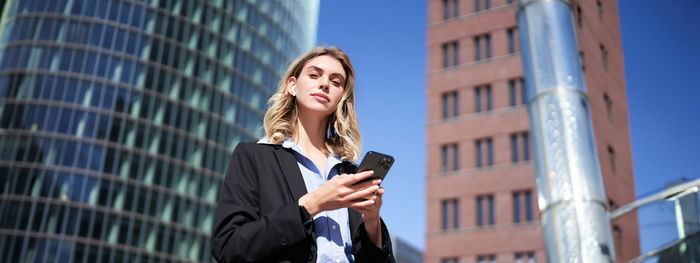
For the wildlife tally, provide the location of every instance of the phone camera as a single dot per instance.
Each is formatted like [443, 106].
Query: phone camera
[385, 163]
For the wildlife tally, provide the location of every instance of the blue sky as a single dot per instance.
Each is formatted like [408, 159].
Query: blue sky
[386, 43]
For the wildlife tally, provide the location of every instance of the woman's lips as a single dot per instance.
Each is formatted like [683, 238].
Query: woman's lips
[321, 97]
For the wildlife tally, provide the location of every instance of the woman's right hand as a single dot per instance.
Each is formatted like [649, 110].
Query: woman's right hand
[340, 192]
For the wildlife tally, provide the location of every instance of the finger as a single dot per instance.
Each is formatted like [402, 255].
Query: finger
[364, 193]
[380, 192]
[364, 185]
[363, 210]
[362, 205]
[361, 176]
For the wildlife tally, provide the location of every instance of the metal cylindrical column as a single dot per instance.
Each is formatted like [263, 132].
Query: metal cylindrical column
[569, 184]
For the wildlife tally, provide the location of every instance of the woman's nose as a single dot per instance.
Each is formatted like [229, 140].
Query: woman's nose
[324, 83]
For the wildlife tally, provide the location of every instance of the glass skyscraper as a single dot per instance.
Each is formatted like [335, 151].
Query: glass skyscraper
[118, 118]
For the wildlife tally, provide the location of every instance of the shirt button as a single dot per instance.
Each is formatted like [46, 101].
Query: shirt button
[333, 227]
[337, 260]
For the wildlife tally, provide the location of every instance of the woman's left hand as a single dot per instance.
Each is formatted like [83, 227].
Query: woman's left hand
[370, 214]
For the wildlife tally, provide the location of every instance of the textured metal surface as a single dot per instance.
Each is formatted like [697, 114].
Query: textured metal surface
[569, 184]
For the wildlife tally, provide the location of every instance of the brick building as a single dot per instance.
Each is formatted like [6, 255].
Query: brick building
[481, 193]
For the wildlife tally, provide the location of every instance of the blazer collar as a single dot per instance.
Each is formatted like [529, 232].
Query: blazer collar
[290, 169]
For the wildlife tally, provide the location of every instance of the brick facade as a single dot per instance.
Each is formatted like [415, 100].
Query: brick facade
[505, 237]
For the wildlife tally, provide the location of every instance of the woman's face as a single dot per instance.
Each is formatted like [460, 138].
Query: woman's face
[320, 85]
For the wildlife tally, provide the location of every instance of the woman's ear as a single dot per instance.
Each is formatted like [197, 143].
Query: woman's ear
[291, 86]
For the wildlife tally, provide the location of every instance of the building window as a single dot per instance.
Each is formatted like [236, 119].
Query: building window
[484, 146]
[617, 235]
[477, 99]
[450, 54]
[450, 105]
[579, 16]
[526, 146]
[450, 158]
[450, 9]
[455, 157]
[510, 2]
[511, 40]
[486, 259]
[522, 256]
[523, 91]
[482, 47]
[514, 148]
[485, 210]
[600, 10]
[450, 214]
[608, 106]
[520, 141]
[512, 93]
[522, 206]
[604, 55]
[516, 86]
[450, 260]
[481, 5]
[485, 100]
[583, 65]
[611, 155]
[489, 104]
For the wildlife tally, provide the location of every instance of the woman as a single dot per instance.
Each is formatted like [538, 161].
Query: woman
[295, 196]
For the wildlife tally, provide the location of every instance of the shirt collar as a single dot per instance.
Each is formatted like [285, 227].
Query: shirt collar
[289, 144]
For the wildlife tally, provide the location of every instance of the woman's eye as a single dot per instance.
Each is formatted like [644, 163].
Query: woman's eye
[313, 75]
[336, 83]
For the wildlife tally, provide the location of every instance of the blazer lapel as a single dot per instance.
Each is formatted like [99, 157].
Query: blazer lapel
[292, 174]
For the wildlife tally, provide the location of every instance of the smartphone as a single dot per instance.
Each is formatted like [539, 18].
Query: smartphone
[377, 162]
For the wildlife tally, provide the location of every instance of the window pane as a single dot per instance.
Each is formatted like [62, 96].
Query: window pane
[444, 158]
[528, 206]
[516, 208]
[511, 89]
[445, 10]
[479, 212]
[488, 46]
[455, 8]
[526, 147]
[489, 143]
[511, 42]
[455, 157]
[445, 56]
[455, 53]
[455, 213]
[478, 153]
[444, 106]
[477, 49]
[477, 99]
[455, 105]
[444, 214]
[523, 94]
[492, 215]
[489, 104]
[514, 147]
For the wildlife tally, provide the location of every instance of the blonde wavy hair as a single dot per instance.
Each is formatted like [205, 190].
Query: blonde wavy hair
[343, 133]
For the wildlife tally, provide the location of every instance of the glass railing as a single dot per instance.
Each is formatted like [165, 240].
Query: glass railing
[669, 224]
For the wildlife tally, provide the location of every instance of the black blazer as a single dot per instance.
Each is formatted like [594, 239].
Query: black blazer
[258, 218]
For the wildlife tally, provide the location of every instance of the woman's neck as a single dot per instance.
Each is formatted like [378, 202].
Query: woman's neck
[310, 134]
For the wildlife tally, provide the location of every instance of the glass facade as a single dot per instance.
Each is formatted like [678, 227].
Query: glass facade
[118, 118]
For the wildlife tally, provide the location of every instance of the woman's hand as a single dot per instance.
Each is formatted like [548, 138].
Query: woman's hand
[342, 191]
[370, 214]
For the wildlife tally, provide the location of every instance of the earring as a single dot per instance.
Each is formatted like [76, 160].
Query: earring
[294, 94]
